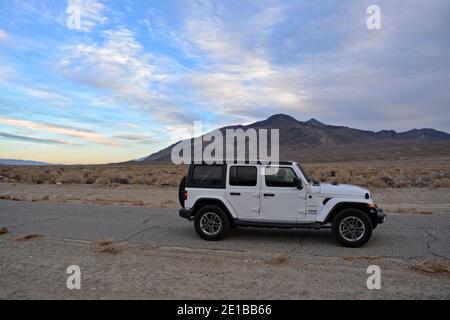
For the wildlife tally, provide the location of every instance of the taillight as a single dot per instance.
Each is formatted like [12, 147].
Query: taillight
[185, 195]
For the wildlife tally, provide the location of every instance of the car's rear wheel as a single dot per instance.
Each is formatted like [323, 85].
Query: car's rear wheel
[211, 223]
[352, 227]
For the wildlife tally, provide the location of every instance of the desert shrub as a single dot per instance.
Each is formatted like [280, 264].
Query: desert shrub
[375, 174]
[402, 184]
[90, 180]
[377, 183]
[442, 183]
[72, 177]
[331, 173]
[388, 180]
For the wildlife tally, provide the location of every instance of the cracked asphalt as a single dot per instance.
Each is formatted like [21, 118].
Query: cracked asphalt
[404, 236]
[159, 256]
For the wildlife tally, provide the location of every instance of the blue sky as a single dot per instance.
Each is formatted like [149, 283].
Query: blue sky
[136, 74]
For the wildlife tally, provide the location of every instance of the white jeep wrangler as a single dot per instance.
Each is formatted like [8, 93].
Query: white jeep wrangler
[220, 196]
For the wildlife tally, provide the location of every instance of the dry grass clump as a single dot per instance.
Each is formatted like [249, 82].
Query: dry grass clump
[441, 183]
[107, 202]
[360, 258]
[107, 246]
[432, 267]
[137, 203]
[278, 260]
[29, 237]
[168, 204]
[3, 230]
[11, 197]
[104, 242]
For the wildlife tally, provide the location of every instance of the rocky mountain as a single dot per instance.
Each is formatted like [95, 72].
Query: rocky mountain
[297, 137]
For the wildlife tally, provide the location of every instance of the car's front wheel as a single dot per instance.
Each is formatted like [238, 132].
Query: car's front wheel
[352, 227]
[211, 223]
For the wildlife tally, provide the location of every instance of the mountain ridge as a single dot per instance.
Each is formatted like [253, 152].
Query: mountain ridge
[297, 136]
[18, 162]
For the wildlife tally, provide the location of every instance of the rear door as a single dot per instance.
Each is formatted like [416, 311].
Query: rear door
[205, 181]
[281, 200]
[243, 190]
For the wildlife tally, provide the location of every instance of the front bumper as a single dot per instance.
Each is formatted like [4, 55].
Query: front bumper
[185, 213]
[379, 214]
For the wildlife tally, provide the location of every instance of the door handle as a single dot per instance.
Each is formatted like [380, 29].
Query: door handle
[269, 195]
[235, 193]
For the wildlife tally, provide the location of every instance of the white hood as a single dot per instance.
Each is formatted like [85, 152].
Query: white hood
[342, 190]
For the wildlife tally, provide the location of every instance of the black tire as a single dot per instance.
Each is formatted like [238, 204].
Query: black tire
[361, 237]
[181, 190]
[217, 213]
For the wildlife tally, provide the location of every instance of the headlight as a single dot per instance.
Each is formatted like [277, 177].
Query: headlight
[372, 205]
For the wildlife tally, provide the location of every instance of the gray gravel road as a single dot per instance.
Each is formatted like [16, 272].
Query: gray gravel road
[402, 236]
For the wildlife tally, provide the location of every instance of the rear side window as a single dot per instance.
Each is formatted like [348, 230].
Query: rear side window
[243, 176]
[207, 176]
[280, 177]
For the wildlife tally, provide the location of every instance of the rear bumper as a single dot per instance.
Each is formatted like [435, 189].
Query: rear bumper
[185, 213]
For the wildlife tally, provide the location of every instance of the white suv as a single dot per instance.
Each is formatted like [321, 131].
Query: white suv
[220, 196]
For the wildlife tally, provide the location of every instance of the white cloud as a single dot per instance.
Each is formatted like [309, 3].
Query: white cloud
[54, 98]
[10, 136]
[233, 77]
[128, 125]
[121, 66]
[3, 35]
[58, 129]
[179, 132]
[237, 75]
[137, 138]
[143, 83]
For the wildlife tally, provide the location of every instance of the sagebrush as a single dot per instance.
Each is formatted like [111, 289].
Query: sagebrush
[432, 173]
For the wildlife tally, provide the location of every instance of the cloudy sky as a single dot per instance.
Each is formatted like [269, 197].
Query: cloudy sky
[136, 74]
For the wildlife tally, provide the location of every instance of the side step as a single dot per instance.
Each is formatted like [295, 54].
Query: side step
[279, 225]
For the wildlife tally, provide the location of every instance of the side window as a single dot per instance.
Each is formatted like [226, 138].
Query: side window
[243, 176]
[204, 175]
[280, 177]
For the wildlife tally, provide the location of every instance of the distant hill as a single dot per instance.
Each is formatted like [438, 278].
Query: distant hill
[14, 162]
[314, 140]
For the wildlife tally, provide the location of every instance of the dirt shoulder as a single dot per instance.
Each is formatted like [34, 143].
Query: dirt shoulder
[413, 200]
[135, 195]
[36, 269]
[393, 200]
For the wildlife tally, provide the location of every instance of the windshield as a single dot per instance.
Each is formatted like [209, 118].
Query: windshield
[304, 173]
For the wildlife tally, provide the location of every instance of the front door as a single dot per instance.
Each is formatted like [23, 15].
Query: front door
[280, 199]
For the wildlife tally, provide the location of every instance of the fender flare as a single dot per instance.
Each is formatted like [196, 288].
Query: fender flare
[329, 207]
[220, 199]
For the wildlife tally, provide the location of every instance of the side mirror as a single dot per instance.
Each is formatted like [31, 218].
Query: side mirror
[298, 183]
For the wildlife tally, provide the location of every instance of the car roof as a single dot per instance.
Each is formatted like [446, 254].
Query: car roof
[283, 162]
